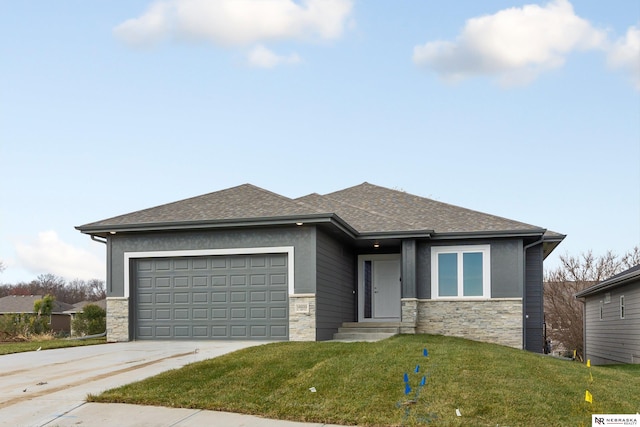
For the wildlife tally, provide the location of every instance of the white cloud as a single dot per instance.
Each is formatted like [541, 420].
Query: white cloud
[515, 44]
[237, 22]
[49, 254]
[625, 54]
[262, 57]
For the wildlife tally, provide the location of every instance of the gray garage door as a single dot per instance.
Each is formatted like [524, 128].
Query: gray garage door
[212, 297]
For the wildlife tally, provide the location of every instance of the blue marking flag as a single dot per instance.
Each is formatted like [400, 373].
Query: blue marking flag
[406, 378]
[425, 353]
[417, 368]
[407, 389]
[423, 381]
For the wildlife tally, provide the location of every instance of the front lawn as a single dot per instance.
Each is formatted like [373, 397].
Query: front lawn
[19, 347]
[363, 384]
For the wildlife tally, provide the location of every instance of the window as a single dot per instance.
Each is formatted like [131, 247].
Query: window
[622, 306]
[460, 271]
[601, 310]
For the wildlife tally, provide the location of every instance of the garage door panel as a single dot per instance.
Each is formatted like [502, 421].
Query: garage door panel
[258, 296]
[182, 331]
[181, 282]
[200, 297]
[145, 283]
[278, 332]
[181, 298]
[238, 313]
[145, 298]
[259, 331]
[162, 265]
[181, 264]
[258, 313]
[181, 314]
[278, 296]
[237, 296]
[278, 313]
[219, 297]
[163, 298]
[219, 281]
[145, 314]
[219, 314]
[162, 282]
[200, 332]
[163, 331]
[258, 279]
[239, 331]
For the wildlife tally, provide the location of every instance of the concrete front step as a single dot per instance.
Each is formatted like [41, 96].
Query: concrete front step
[383, 330]
[359, 336]
[366, 331]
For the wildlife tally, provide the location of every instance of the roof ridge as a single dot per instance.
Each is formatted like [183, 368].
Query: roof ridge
[283, 197]
[430, 200]
[380, 214]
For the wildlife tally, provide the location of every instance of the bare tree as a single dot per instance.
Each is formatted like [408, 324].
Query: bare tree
[563, 313]
[48, 284]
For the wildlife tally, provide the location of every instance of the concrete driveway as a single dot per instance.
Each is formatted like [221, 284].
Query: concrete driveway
[49, 387]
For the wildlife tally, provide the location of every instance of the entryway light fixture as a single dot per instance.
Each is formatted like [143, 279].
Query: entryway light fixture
[299, 223]
[376, 245]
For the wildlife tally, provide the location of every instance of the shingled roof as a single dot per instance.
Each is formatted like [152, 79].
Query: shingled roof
[24, 304]
[364, 209]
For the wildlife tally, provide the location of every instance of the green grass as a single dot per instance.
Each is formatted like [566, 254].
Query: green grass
[19, 347]
[362, 383]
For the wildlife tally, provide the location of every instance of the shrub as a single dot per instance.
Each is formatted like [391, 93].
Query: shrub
[92, 320]
[21, 326]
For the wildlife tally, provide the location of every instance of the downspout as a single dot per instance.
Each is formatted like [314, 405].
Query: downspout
[524, 291]
[105, 241]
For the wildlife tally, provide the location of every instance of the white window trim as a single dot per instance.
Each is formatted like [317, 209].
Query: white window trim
[622, 307]
[128, 256]
[486, 270]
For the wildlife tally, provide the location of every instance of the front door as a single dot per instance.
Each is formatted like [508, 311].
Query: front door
[379, 288]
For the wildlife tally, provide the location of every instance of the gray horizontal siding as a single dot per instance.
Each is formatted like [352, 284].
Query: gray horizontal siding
[534, 311]
[612, 339]
[335, 283]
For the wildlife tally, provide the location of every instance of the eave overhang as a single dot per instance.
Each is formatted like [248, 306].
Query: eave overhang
[609, 284]
[109, 230]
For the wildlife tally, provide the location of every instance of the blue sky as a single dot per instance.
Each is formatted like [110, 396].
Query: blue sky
[529, 111]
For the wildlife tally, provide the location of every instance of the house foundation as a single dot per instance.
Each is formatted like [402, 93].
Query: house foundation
[497, 321]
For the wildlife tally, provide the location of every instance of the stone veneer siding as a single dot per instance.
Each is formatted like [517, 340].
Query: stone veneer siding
[302, 317]
[117, 319]
[497, 321]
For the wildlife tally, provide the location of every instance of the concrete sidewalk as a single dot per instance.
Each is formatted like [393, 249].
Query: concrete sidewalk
[49, 387]
[117, 414]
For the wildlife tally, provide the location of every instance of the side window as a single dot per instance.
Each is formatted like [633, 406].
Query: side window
[461, 271]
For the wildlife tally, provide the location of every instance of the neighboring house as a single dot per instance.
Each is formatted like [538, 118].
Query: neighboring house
[23, 304]
[612, 319]
[246, 263]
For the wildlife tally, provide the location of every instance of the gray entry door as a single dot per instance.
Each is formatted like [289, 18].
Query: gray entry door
[211, 297]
